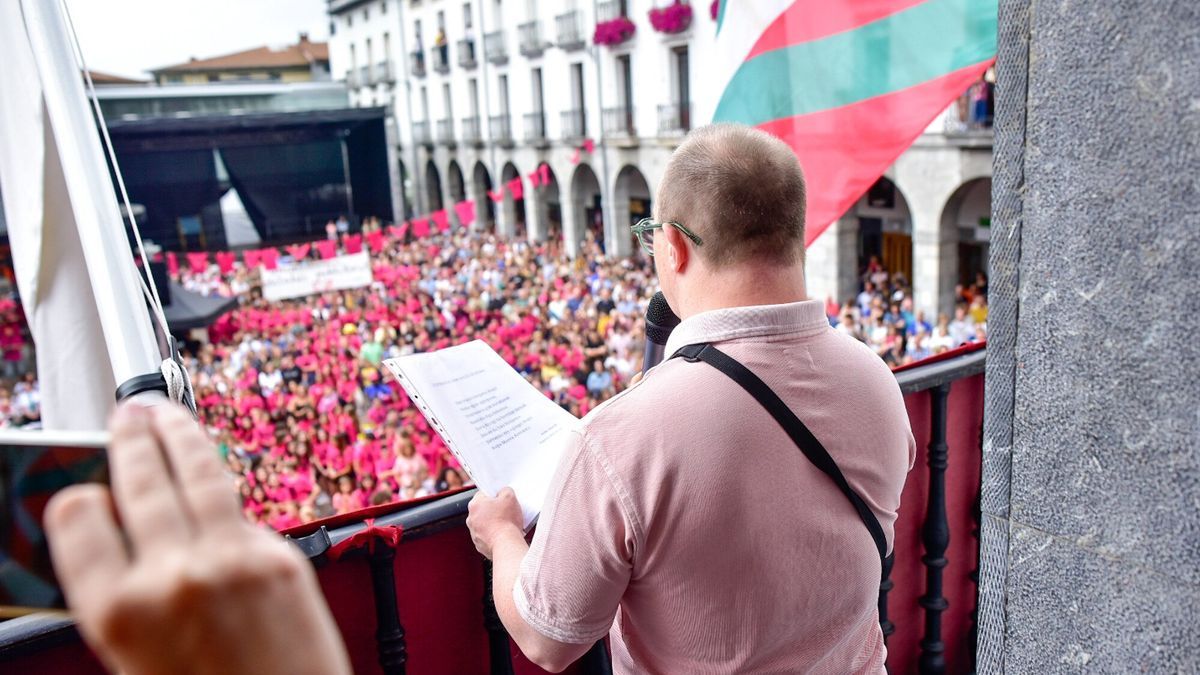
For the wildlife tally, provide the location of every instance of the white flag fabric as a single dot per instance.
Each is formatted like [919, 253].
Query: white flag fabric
[50, 187]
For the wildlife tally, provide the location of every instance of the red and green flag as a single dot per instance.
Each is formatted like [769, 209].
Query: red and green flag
[848, 84]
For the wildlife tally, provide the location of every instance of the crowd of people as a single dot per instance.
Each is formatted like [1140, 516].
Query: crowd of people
[304, 415]
[882, 316]
[310, 425]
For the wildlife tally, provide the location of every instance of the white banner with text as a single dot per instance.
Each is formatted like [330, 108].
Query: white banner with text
[335, 274]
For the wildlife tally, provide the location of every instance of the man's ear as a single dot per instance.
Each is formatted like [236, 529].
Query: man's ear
[677, 253]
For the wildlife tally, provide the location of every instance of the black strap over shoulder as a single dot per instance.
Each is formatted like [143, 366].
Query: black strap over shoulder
[801, 436]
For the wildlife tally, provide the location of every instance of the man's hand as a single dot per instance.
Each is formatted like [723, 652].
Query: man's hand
[489, 518]
[197, 588]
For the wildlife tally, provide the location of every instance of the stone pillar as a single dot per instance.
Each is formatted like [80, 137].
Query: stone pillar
[1090, 525]
[395, 185]
[537, 214]
[831, 262]
[935, 258]
[573, 213]
[506, 215]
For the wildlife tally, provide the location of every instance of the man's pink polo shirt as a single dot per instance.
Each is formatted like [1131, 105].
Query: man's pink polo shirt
[685, 524]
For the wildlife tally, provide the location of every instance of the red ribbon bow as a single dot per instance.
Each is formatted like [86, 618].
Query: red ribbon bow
[388, 534]
[298, 251]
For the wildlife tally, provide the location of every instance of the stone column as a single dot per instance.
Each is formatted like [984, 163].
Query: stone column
[1090, 559]
[572, 215]
[935, 251]
[392, 145]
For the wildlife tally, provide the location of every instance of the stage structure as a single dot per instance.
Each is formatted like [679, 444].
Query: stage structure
[291, 172]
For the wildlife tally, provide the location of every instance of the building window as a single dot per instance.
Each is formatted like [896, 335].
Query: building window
[274, 76]
[383, 7]
[537, 90]
[349, 21]
[467, 15]
[441, 16]
[213, 77]
[366, 14]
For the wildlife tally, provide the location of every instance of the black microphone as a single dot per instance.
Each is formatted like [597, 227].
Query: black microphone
[660, 321]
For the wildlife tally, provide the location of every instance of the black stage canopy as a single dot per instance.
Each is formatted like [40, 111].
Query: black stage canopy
[292, 171]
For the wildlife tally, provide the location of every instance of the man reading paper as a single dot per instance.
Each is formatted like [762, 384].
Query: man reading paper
[684, 522]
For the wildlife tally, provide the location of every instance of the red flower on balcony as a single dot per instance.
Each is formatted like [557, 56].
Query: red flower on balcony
[671, 19]
[614, 32]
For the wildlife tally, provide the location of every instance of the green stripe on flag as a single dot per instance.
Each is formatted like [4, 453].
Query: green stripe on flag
[721, 5]
[894, 53]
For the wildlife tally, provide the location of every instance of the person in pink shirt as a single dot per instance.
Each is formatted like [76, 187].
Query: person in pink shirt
[346, 499]
[625, 523]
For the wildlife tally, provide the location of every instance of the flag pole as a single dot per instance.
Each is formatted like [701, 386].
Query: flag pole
[132, 346]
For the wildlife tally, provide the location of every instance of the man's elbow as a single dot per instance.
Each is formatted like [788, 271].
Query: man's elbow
[550, 661]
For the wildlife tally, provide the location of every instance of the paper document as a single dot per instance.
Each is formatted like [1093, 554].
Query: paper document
[503, 430]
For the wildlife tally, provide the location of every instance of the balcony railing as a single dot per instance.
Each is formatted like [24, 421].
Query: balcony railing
[927, 599]
[535, 127]
[574, 125]
[471, 132]
[466, 53]
[570, 30]
[618, 122]
[384, 72]
[531, 44]
[609, 10]
[674, 119]
[421, 133]
[416, 62]
[364, 76]
[500, 129]
[494, 48]
[352, 79]
[445, 132]
[439, 57]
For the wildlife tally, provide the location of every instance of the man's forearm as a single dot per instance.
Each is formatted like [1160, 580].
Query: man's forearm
[508, 550]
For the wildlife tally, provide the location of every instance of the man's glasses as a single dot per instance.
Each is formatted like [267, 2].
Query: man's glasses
[644, 229]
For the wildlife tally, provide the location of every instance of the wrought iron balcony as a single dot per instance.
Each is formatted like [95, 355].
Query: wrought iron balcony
[466, 53]
[439, 57]
[531, 43]
[574, 125]
[609, 10]
[500, 129]
[494, 48]
[384, 72]
[449, 617]
[619, 123]
[674, 119]
[417, 63]
[445, 132]
[471, 132]
[421, 133]
[535, 128]
[570, 30]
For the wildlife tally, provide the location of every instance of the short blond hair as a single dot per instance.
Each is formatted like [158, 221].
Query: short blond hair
[741, 190]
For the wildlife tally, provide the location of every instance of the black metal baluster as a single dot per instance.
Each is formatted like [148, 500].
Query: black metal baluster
[885, 587]
[936, 536]
[499, 654]
[389, 633]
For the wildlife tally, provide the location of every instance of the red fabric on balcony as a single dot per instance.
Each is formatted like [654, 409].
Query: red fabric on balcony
[964, 420]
